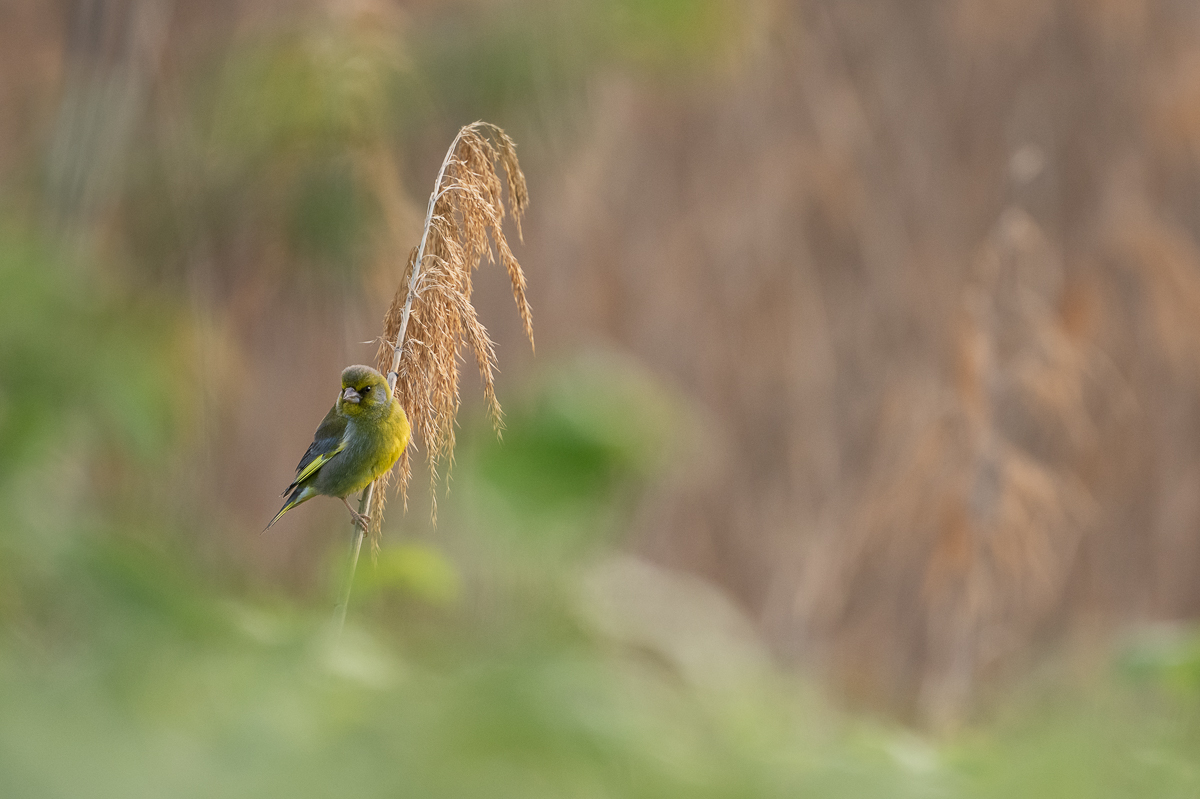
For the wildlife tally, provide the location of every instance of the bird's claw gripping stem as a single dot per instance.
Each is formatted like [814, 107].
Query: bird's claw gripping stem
[361, 519]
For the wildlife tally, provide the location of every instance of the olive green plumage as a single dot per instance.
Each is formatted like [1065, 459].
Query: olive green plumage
[361, 437]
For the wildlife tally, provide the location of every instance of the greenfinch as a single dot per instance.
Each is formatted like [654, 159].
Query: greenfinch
[361, 437]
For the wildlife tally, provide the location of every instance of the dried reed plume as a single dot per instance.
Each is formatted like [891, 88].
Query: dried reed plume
[431, 319]
[984, 517]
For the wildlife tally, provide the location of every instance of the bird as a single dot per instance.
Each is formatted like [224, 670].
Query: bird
[362, 436]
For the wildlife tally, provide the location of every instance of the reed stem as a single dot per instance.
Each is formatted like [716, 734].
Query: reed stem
[365, 501]
[355, 548]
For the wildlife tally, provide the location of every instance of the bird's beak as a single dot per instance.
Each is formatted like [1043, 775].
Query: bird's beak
[350, 395]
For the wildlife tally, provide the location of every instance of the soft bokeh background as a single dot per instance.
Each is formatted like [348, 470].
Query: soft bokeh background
[860, 455]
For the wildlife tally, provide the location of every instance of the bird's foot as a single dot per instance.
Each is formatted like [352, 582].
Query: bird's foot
[361, 519]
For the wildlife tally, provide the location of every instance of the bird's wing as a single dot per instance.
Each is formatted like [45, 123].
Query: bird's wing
[328, 441]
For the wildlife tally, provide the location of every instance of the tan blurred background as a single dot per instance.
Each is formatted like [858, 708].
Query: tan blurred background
[924, 274]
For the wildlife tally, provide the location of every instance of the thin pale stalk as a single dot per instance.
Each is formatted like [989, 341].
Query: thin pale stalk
[355, 548]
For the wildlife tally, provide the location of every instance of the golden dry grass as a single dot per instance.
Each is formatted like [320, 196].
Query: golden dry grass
[431, 323]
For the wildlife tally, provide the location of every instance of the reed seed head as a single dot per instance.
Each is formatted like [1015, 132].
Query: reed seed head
[431, 322]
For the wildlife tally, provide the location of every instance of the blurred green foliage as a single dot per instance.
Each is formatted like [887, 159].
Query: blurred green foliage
[71, 346]
[571, 458]
[330, 217]
[536, 58]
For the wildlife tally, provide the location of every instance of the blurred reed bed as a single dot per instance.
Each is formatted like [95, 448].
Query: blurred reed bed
[926, 271]
[929, 269]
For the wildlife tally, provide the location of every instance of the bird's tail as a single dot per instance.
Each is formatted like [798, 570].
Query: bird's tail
[298, 495]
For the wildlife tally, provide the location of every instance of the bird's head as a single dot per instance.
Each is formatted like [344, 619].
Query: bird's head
[364, 390]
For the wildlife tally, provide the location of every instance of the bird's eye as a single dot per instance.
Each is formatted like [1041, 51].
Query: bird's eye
[365, 389]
